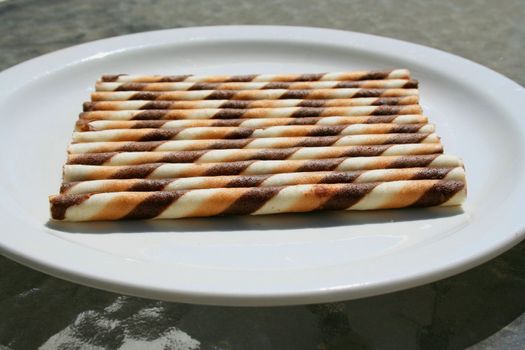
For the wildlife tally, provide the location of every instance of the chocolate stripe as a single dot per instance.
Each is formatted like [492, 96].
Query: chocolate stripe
[240, 133]
[140, 146]
[237, 104]
[431, 173]
[375, 75]
[173, 78]
[225, 144]
[245, 78]
[147, 115]
[347, 195]
[439, 193]
[412, 161]
[310, 77]
[295, 94]
[150, 185]
[340, 177]
[60, 204]
[411, 84]
[320, 165]
[232, 168]
[306, 112]
[145, 95]
[90, 158]
[247, 181]
[229, 114]
[366, 151]
[274, 154]
[317, 141]
[131, 87]
[111, 77]
[154, 205]
[160, 134]
[137, 171]
[386, 110]
[221, 95]
[312, 103]
[327, 130]
[182, 157]
[251, 200]
[381, 119]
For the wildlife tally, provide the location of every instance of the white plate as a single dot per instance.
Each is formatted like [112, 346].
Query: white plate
[272, 260]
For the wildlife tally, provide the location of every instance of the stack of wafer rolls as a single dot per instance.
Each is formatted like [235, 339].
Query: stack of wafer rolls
[154, 146]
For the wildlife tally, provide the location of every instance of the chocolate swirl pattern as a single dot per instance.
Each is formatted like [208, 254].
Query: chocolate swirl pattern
[173, 146]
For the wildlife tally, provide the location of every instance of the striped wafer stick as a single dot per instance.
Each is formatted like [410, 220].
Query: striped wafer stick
[253, 167]
[250, 94]
[244, 104]
[269, 142]
[94, 125]
[368, 84]
[239, 133]
[256, 200]
[231, 113]
[356, 75]
[284, 179]
[229, 155]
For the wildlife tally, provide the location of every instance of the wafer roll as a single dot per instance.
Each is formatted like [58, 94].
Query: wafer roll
[269, 142]
[250, 94]
[230, 155]
[284, 179]
[256, 200]
[368, 84]
[218, 113]
[335, 76]
[253, 167]
[244, 104]
[203, 133]
[94, 125]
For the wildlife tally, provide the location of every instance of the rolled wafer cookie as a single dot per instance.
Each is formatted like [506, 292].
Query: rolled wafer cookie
[94, 125]
[256, 200]
[268, 142]
[355, 75]
[369, 84]
[225, 113]
[75, 172]
[203, 133]
[283, 179]
[230, 155]
[244, 104]
[269, 94]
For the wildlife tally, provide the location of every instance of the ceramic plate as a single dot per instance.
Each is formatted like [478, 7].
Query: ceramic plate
[266, 260]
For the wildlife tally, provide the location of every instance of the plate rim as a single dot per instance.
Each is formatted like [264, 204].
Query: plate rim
[303, 297]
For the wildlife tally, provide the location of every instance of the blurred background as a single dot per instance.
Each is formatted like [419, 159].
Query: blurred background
[483, 308]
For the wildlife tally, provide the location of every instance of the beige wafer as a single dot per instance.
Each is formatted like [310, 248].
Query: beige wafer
[226, 113]
[243, 104]
[256, 200]
[269, 142]
[174, 146]
[94, 125]
[368, 84]
[355, 75]
[270, 94]
[229, 155]
[283, 179]
[254, 167]
[202, 133]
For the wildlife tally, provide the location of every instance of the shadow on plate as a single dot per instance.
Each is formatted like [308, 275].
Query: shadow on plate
[288, 221]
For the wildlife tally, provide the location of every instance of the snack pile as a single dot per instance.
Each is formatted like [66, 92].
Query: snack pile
[152, 147]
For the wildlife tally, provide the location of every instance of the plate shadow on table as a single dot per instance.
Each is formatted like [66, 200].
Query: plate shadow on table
[450, 314]
[288, 221]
